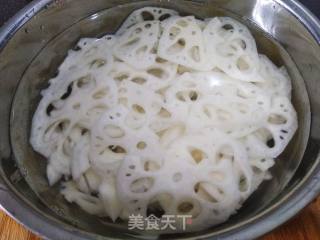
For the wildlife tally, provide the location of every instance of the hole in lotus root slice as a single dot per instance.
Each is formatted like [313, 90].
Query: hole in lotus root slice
[227, 27]
[100, 93]
[177, 47]
[154, 208]
[113, 131]
[57, 127]
[50, 109]
[76, 48]
[96, 111]
[141, 145]
[181, 96]
[189, 207]
[243, 64]
[158, 73]
[117, 149]
[243, 184]
[185, 207]
[193, 95]
[84, 131]
[142, 185]
[97, 63]
[277, 119]
[270, 143]
[164, 113]
[68, 92]
[164, 16]
[147, 16]
[139, 80]
[265, 136]
[121, 76]
[132, 167]
[131, 42]
[160, 60]
[224, 153]
[150, 165]
[197, 154]
[138, 109]
[85, 82]
[148, 25]
[194, 53]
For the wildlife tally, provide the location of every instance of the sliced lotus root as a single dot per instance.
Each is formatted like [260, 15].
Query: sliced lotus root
[202, 100]
[145, 14]
[170, 116]
[272, 138]
[90, 55]
[62, 103]
[55, 117]
[113, 138]
[88, 203]
[137, 46]
[176, 187]
[159, 75]
[231, 47]
[109, 198]
[134, 96]
[182, 43]
[276, 80]
[89, 182]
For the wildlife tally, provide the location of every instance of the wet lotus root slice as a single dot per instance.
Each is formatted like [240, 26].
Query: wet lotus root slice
[231, 48]
[182, 43]
[145, 14]
[137, 46]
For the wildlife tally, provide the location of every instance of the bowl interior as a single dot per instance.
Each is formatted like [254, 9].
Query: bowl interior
[40, 47]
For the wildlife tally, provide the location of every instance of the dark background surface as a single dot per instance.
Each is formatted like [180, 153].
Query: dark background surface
[9, 7]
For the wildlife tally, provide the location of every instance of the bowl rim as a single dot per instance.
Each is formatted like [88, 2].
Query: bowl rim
[47, 227]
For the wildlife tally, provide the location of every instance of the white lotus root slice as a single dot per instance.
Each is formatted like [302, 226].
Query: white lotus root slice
[89, 55]
[86, 70]
[109, 197]
[134, 96]
[211, 99]
[156, 76]
[89, 182]
[137, 46]
[88, 203]
[272, 138]
[61, 160]
[59, 111]
[80, 156]
[276, 80]
[113, 138]
[182, 43]
[181, 188]
[145, 14]
[231, 47]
